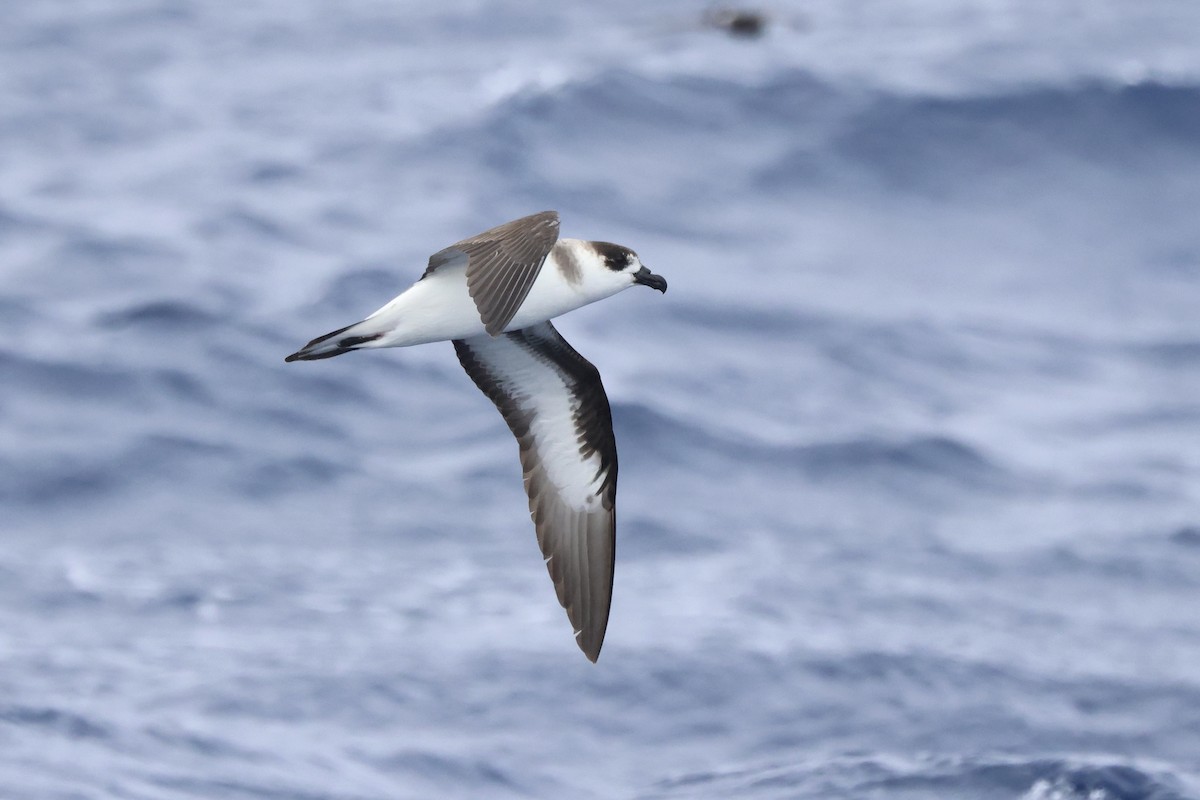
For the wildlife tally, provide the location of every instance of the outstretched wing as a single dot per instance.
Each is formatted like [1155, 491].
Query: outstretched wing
[502, 264]
[552, 399]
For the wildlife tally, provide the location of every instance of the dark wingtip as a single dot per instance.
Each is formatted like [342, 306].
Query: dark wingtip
[590, 645]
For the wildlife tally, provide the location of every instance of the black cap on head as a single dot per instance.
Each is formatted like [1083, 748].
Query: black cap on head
[616, 257]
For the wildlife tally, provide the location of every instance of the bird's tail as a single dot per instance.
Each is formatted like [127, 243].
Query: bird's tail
[343, 340]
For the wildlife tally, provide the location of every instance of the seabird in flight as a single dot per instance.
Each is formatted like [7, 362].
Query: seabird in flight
[493, 295]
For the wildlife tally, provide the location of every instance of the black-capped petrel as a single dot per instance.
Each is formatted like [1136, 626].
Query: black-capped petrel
[494, 295]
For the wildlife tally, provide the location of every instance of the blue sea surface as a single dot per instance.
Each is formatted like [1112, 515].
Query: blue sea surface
[910, 451]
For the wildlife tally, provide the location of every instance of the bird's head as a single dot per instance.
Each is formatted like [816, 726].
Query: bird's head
[623, 261]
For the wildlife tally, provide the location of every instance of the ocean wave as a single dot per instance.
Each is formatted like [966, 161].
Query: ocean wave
[63, 379]
[244, 224]
[1120, 126]
[794, 130]
[162, 459]
[1039, 779]
[47, 719]
[87, 250]
[13, 223]
[675, 441]
[159, 315]
[1186, 536]
[359, 290]
[1183, 353]
[178, 739]
[87, 387]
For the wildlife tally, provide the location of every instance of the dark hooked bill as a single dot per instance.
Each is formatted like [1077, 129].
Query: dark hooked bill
[647, 278]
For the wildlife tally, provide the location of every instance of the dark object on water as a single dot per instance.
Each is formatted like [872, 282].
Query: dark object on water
[737, 22]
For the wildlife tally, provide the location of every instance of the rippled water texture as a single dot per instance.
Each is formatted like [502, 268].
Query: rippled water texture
[909, 452]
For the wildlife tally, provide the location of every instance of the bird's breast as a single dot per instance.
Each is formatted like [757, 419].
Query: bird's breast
[552, 294]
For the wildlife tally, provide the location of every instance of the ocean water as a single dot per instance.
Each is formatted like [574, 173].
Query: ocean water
[910, 451]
